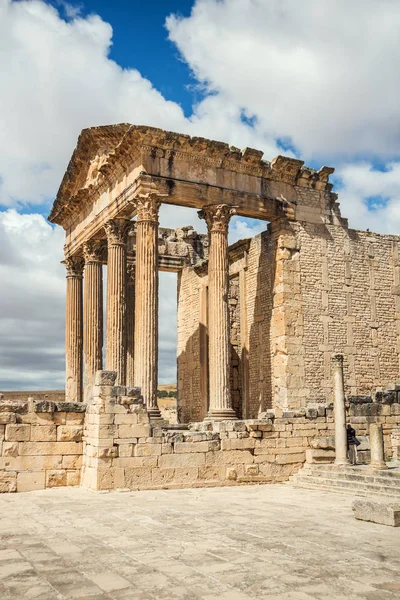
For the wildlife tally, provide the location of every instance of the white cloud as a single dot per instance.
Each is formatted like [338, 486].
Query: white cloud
[371, 198]
[32, 302]
[58, 79]
[322, 73]
[319, 74]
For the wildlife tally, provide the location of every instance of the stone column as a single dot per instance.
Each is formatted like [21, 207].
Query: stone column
[217, 218]
[146, 301]
[93, 312]
[130, 324]
[73, 329]
[117, 231]
[377, 448]
[339, 411]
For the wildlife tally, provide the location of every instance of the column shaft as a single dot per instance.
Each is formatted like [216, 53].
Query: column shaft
[93, 313]
[117, 230]
[339, 411]
[377, 447]
[73, 330]
[146, 302]
[217, 218]
[130, 324]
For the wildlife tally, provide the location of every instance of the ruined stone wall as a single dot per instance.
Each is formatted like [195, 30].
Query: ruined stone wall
[259, 285]
[235, 341]
[40, 444]
[122, 449]
[111, 443]
[192, 397]
[349, 303]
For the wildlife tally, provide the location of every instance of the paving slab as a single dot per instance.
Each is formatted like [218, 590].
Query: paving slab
[240, 543]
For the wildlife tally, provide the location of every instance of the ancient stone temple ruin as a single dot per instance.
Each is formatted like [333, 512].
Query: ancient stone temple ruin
[258, 321]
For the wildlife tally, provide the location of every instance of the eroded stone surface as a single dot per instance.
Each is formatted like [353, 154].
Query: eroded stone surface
[377, 511]
[263, 542]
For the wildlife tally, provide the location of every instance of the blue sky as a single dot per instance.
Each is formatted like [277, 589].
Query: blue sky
[318, 80]
[141, 41]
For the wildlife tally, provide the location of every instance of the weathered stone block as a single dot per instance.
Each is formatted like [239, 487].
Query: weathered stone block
[138, 477]
[185, 475]
[315, 455]
[10, 449]
[125, 450]
[56, 478]
[34, 463]
[8, 482]
[377, 511]
[284, 459]
[147, 450]
[105, 378]
[6, 418]
[73, 478]
[51, 448]
[212, 473]
[189, 447]
[43, 433]
[162, 476]
[127, 419]
[18, 433]
[231, 474]
[134, 431]
[69, 433]
[28, 481]
[174, 461]
[229, 457]
[238, 444]
[72, 462]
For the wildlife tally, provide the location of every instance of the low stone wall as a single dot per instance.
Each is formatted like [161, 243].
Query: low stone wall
[123, 450]
[111, 443]
[40, 444]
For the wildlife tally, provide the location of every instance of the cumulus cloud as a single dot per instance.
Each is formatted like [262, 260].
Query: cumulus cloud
[32, 302]
[322, 74]
[317, 77]
[370, 198]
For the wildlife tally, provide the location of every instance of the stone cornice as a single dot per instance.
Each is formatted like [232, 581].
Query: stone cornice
[104, 154]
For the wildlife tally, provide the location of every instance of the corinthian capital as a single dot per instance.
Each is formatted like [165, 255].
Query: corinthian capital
[148, 207]
[217, 216]
[117, 231]
[74, 266]
[93, 251]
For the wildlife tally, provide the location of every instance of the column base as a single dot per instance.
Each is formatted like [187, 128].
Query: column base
[342, 462]
[379, 466]
[226, 414]
[154, 413]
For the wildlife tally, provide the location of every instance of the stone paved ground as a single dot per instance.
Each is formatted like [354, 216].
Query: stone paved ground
[239, 543]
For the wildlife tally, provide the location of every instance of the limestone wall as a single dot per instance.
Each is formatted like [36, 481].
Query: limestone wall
[350, 304]
[111, 443]
[192, 346]
[122, 449]
[310, 290]
[40, 444]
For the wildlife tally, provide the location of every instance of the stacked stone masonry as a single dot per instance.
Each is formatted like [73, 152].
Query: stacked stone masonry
[113, 444]
[41, 444]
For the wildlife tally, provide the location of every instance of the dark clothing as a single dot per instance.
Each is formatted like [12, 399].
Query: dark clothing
[351, 436]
